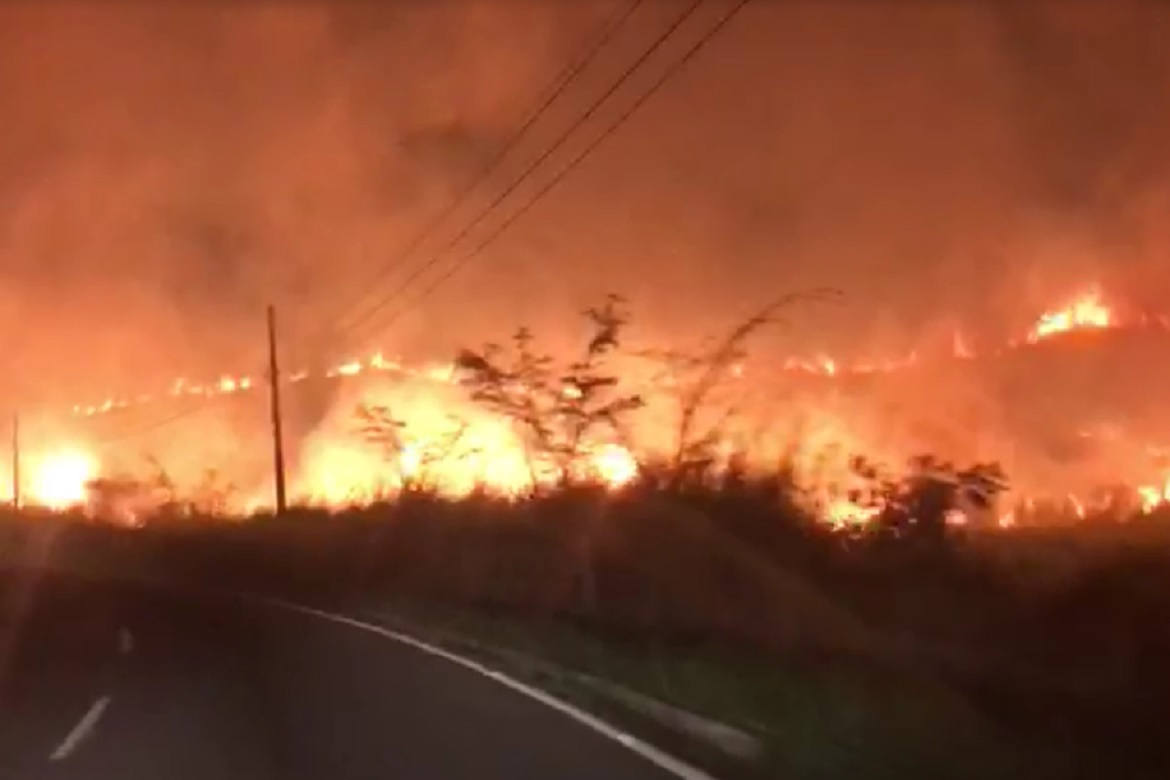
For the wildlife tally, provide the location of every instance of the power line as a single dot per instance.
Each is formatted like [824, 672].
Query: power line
[466, 259]
[549, 95]
[539, 195]
[625, 76]
[204, 404]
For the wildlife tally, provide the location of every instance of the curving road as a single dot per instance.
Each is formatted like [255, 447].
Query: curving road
[101, 681]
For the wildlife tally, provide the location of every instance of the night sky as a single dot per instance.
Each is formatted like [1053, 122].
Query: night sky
[168, 169]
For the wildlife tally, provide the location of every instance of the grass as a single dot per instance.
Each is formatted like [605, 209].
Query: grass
[1031, 653]
[811, 720]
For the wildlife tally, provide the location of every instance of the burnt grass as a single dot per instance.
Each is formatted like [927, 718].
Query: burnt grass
[1035, 652]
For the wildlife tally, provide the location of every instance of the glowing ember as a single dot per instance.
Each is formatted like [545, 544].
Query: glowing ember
[956, 517]
[843, 513]
[346, 369]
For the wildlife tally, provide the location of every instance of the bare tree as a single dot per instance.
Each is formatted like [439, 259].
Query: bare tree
[694, 380]
[920, 503]
[213, 493]
[560, 412]
[414, 463]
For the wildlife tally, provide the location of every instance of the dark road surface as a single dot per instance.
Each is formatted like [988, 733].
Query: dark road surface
[105, 681]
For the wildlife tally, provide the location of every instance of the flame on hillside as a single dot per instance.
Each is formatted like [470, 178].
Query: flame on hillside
[1155, 495]
[60, 479]
[452, 445]
[1085, 312]
[430, 434]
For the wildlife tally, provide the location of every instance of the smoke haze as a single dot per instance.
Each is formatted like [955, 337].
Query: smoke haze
[168, 169]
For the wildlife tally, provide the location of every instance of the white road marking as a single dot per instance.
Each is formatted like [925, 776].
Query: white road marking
[83, 729]
[125, 641]
[652, 754]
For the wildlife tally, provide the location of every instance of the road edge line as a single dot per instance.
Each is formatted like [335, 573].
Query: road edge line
[83, 729]
[654, 755]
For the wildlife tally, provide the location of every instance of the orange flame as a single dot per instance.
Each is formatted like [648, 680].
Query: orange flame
[1086, 311]
[1154, 496]
[60, 480]
[336, 469]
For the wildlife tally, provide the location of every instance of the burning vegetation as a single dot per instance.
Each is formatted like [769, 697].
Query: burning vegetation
[510, 420]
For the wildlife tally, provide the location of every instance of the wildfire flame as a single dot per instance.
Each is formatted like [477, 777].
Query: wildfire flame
[1086, 311]
[841, 512]
[1154, 496]
[336, 468]
[60, 480]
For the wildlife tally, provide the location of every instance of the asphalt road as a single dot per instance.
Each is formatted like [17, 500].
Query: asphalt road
[116, 682]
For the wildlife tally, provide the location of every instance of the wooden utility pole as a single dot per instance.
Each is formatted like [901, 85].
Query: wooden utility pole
[274, 396]
[15, 460]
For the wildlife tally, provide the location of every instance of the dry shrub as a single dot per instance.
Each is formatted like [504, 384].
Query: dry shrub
[670, 570]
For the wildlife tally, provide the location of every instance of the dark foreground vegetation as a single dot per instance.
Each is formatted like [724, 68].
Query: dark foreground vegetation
[1023, 653]
[911, 648]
